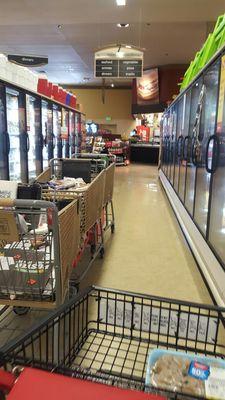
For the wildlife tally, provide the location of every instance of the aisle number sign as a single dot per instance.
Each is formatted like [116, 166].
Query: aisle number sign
[221, 96]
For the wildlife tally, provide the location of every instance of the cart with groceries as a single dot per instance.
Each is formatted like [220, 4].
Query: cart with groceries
[70, 179]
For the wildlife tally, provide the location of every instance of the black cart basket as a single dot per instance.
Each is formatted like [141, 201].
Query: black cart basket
[106, 336]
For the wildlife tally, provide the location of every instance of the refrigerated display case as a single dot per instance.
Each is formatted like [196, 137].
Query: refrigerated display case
[196, 188]
[31, 128]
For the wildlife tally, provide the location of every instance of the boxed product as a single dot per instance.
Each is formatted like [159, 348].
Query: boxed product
[186, 373]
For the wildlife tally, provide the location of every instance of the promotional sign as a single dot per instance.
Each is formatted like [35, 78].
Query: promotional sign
[28, 61]
[143, 132]
[148, 87]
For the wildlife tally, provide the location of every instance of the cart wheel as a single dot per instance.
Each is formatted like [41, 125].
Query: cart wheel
[21, 310]
[93, 249]
[112, 228]
[73, 290]
[102, 252]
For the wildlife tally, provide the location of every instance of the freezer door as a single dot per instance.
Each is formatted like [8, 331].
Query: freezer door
[179, 144]
[205, 148]
[47, 133]
[57, 131]
[72, 132]
[190, 163]
[217, 208]
[183, 157]
[172, 129]
[4, 139]
[16, 146]
[65, 133]
[33, 119]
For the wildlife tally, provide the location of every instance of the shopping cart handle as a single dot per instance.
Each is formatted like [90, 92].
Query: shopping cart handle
[7, 380]
[6, 202]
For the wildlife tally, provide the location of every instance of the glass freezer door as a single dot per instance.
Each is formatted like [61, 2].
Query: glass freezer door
[217, 209]
[205, 148]
[72, 132]
[183, 158]
[34, 136]
[65, 133]
[57, 131]
[172, 130]
[47, 133]
[195, 105]
[179, 144]
[14, 157]
[4, 139]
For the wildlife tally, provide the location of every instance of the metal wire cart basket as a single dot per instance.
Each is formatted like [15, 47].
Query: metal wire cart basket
[37, 247]
[106, 335]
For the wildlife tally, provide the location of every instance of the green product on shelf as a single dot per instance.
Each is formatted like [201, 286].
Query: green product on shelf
[213, 43]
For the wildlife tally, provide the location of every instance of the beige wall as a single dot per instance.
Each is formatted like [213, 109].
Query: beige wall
[117, 105]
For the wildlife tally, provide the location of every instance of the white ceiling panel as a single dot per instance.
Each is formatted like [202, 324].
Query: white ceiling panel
[170, 30]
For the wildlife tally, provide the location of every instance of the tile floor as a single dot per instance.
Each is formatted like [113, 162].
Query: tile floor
[146, 254]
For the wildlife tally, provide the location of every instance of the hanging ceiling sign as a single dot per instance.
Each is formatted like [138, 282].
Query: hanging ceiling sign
[119, 61]
[28, 61]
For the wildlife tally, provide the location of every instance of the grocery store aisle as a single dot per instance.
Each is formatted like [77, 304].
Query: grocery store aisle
[148, 252]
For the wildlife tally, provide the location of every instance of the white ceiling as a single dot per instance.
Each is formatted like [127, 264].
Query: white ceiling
[170, 30]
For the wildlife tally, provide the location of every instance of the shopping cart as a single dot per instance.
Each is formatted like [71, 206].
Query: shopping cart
[95, 207]
[38, 246]
[90, 198]
[105, 336]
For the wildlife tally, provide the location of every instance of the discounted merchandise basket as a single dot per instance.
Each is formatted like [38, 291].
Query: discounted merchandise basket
[38, 244]
[106, 336]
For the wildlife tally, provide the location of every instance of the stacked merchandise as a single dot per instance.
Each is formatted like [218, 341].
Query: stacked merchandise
[120, 149]
[99, 144]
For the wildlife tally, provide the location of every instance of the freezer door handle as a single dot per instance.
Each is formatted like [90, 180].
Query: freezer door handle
[185, 148]
[212, 154]
[28, 143]
[196, 152]
[7, 142]
[179, 146]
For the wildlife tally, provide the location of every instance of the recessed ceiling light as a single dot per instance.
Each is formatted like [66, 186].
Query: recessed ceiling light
[59, 26]
[123, 25]
[121, 2]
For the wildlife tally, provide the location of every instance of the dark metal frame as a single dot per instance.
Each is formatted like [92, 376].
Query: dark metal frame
[105, 335]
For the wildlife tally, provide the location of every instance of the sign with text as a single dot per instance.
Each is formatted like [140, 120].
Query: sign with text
[118, 68]
[130, 68]
[106, 69]
[28, 61]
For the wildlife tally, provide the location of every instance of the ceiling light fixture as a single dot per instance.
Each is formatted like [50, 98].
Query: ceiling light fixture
[59, 26]
[121, 2]
[120, 54]
[123, 25]
[112, 85]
